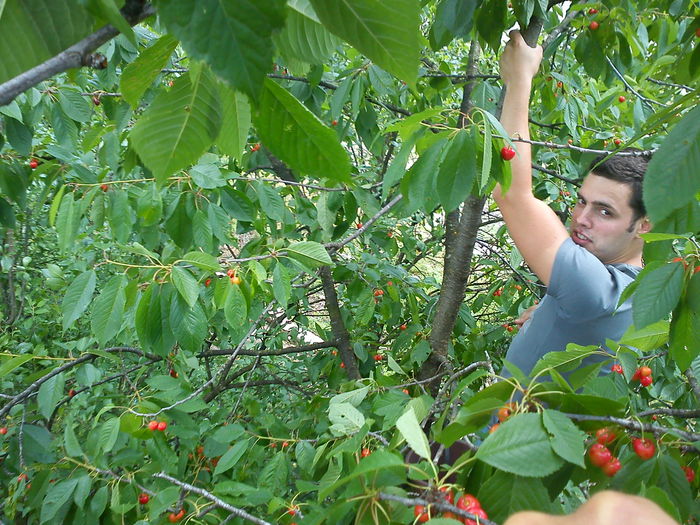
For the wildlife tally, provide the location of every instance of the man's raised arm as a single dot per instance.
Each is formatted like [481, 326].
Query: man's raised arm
[533, 226]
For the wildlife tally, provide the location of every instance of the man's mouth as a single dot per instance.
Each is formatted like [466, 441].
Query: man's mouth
[579, 238]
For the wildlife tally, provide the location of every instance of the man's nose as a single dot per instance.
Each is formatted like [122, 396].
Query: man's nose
[583, 217]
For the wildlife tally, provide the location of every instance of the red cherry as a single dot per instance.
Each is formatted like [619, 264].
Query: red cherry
[621, 99]
[273, 445]
[22, 477]
[611, 467]
[143, 498]
[153, 425]
[231, 272]
[697, 32]
[342, 365]
[593, 25]
[71, 392]
[96, 100]
[405, 391]
[285, 444]
[292, 511]
[403, 326]
[510, 328]
[33, 163]
[592, 11]
[605, 436]
[637, 375]
[617, 142]
[420, 513]
[645, 371]
[173, 373]
[170, 83]
[365, 452]
[334, 123]
[104, 187]
[449, 495]
[468, 502]
[378, 293]
[255, 148]
[689, 474]
[617, 368]
[3, 431]
[378, 357]
[162, 426]
[599, 454]
[507, 153]
[644, 448]
[207, 283]
[646, 380]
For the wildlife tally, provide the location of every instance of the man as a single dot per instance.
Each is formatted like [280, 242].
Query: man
[585, 270]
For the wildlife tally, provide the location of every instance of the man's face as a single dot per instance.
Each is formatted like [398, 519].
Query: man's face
[601, 221]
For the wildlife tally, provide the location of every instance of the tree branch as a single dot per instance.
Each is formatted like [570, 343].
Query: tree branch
[216, 501]
[75, 56]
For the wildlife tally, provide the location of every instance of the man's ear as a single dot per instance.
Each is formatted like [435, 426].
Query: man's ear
[644, 226]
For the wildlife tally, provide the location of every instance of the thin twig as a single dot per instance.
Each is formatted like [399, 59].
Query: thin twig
[216, 501]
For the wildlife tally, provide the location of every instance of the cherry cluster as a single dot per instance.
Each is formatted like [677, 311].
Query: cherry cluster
[601, 456]
[642, 374]
[466, 502]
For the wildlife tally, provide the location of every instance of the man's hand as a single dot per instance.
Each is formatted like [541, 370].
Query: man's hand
[605, 508]
[520, 321]
[519, 62]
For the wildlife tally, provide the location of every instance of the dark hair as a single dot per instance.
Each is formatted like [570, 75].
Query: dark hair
[627, 169]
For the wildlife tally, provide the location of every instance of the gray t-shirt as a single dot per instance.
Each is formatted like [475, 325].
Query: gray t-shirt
[580, 307]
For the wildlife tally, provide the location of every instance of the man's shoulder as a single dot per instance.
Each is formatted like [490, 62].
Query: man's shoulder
[584, 285]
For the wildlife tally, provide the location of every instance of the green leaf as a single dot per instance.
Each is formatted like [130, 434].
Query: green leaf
[108, 310]
[412, 432]
[515, 443]
[235, 307]
[309, 253]
[298, 137]
[30, 43]
[110, 11]
[67, 222]
[137, 76]
[57, 494]
[457, 171]
[15, 362]
[657, 294]
[152, 322]
[672, 178]
[378, 462]
[203, 261]
[241, 52]
[50, 393]
[281, 284]
[70, 441]
[78, 297]
[345, 419]
[567, 440]
[179, 125]
[386, 32]
[647, 338]
[235, 122]
[185, 284]
[270, 201]
[305, 39]
[109, 431]
[74, 104]
[504, 494]
[232, 456]
[563, 361]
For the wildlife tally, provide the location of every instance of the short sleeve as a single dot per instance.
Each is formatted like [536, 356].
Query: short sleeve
[582, 285]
